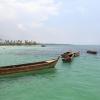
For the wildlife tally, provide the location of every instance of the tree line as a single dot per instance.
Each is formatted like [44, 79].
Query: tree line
[18, 42]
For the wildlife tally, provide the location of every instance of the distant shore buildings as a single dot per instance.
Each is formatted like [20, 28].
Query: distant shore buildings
[17, 42]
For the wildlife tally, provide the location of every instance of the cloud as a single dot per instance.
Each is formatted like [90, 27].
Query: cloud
[6, 10]
[19, 19]
[21, 27]
[28, 12]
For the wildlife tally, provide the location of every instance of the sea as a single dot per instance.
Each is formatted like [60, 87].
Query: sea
[78, 80]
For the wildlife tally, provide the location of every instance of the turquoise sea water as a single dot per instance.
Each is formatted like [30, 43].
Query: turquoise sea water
[79, 80]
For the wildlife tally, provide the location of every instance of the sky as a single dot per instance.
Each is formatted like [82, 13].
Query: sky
[51, 21]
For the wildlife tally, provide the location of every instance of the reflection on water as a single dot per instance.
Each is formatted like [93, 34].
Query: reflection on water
[42, 73]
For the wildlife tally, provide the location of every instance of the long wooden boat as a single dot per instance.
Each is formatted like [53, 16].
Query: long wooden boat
[28, 67]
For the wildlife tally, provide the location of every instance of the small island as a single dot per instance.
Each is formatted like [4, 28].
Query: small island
[17, 42]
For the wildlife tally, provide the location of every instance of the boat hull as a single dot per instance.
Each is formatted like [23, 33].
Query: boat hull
[28, 67]
[67, 59]
[92, 52]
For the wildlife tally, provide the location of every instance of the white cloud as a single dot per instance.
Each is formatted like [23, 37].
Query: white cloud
[21, 27]
[35, 11]
[6, 11]
[37, 24]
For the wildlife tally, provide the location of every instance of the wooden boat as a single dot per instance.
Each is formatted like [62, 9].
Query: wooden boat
[28, 67]
[65, 54]
[91, 52]
[43, 45]
[76, 54]
[68, 58]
